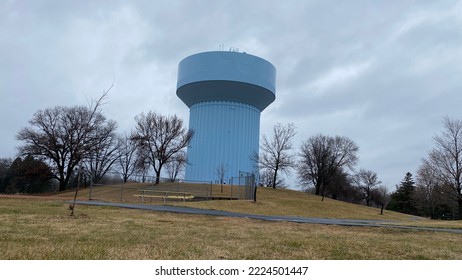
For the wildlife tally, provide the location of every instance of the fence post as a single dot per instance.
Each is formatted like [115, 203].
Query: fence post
[231, 188]
[211, 186]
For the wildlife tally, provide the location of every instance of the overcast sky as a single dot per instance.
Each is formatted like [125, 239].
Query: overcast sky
[383, 73]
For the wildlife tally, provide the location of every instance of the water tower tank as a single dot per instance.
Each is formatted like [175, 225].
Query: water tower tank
[226, 92]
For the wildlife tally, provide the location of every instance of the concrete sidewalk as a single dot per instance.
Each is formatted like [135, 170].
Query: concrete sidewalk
[305, 220]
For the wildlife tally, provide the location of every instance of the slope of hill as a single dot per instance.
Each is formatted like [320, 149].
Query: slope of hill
[276, 202]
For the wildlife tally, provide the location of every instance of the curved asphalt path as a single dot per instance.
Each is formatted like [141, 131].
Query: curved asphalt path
[305, 220]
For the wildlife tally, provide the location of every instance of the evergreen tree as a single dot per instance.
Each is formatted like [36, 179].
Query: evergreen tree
[27, 176]
[5, 164]
[401, 200]
[11, 178]
[36, 175]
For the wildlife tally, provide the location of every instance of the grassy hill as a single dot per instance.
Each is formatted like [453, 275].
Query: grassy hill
[41, 228]
[269, 202]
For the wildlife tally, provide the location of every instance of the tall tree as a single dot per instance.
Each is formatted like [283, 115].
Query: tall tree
[63, 136]
[402, 199]
[104, 153]
[446, 159]
[162, 137]
[428, 190]
[275, 153]
[126, 150]
[142, 164]
[322, 156]
[366, 182]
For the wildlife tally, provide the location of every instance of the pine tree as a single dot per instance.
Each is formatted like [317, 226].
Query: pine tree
[27, 176]
[5, 164]
[402, 199]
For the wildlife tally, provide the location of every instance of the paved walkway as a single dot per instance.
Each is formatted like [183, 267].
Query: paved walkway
[305, 220]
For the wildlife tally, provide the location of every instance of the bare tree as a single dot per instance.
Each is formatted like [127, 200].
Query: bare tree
[429, 189]
[63, 136]
[275, 153]
[142, 164]
[321, 156]
[380, 197]
[446, 158]
[221, 171]
[161, 137]
[126, 157]
[104, 153]
[366, 181]
[176, 165]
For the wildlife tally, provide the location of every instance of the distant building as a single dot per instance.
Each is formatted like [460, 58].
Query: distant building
[226, 92]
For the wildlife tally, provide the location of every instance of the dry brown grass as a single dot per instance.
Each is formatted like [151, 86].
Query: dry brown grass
[294, 203]
[280, 203]
[42, 229]
[270, 202]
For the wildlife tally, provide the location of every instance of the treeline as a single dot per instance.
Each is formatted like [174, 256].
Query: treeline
[65, 143]
[437, 191]
[326, 165]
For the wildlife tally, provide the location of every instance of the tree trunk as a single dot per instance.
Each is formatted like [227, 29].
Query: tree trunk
[63, 183]
[158, 171]
[62, 186]
[157, 177]
[274, 178]
[317, 189]
[432, 212]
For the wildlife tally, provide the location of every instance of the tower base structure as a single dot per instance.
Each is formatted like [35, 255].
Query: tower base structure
[226, 136]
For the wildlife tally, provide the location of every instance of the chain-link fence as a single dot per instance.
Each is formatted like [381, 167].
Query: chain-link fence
[244, 186]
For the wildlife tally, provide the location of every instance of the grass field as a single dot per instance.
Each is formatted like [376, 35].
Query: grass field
[43, 229]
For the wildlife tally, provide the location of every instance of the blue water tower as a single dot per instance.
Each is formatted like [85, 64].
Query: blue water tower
[225, 92]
